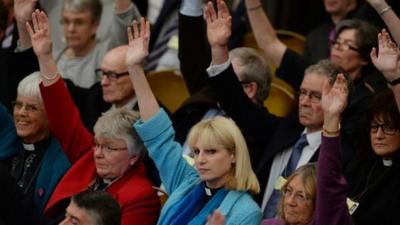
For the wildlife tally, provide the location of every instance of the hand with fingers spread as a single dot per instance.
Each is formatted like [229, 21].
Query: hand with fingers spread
[334, 100]
[218, 24]
[138, 48]
[40, 34]
[387, 58]
[23, 10]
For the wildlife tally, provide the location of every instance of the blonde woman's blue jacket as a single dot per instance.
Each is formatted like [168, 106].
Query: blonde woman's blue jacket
[179, 178]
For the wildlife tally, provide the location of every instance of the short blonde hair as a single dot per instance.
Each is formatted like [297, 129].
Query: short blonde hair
[308, 177]
[223, 131]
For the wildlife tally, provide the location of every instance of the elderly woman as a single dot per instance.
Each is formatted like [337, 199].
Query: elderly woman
[109, 161]
[33, 157]
[222, 177]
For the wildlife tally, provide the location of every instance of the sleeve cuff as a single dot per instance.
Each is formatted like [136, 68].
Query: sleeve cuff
[214, 70]
[154, 126]
[191, 8]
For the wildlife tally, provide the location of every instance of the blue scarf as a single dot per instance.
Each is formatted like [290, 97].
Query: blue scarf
[184, 212]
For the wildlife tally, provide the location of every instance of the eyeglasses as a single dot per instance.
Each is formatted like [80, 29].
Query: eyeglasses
[387, 129]
[30, 108]
[315, 97]
[110, 74]
[107, 148]
[298, 196]
[343, 45]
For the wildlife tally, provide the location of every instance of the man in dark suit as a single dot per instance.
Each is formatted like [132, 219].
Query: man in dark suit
[194, 56]
[288, 142]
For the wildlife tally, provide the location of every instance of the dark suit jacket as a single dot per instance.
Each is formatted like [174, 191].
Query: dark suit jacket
[14, 67]
[194, 56]
[271, 134]
[14, 208]
[292, 70]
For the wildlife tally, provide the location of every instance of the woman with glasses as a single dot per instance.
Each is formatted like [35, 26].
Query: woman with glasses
[374, 177]
[108, 161]
[33, 157]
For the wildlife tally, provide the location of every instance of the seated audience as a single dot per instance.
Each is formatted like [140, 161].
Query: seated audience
[32, 155]
[317, 195]
[92, 208]
[350, 49]
[222, 177]
[109, 161]
[285, 143]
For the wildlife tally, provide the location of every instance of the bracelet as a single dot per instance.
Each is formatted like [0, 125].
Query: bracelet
[259, 6]
[51, 77]
[394, 82]
[384, 10]
[330, 132]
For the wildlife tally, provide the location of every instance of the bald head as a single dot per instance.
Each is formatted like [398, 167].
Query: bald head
[115, 58]
[117, 91]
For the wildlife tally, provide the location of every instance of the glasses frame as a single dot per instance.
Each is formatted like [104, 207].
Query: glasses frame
[111, 75]
[107, 148]
[343, 45]
[314, 97]
[392, 130]
[297, 195]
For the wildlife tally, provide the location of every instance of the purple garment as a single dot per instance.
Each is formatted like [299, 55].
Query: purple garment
[331, 208]
[272, 222]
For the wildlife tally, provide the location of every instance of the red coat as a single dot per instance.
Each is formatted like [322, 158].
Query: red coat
[138, 200]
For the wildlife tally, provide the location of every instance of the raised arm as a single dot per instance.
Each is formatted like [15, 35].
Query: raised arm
[63, 116]
[390, 18]
[155, 129]
[264, 33]
[137, 52]
[218, 31]
[387, 60]
[23, 13]
[331, 205]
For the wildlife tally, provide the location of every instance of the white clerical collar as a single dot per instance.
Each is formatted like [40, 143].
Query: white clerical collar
[387, 162]
[29, 147]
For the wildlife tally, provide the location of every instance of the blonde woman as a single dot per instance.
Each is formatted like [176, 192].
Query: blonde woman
[222, 178]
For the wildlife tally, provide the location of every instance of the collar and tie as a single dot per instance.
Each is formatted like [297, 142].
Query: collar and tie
[271, 207]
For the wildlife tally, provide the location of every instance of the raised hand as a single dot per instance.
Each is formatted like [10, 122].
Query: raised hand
[387, 58]
[23, 10]
[216, 218]
[218, 24]
[138, 48]
[334, 99]
[40, 34]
